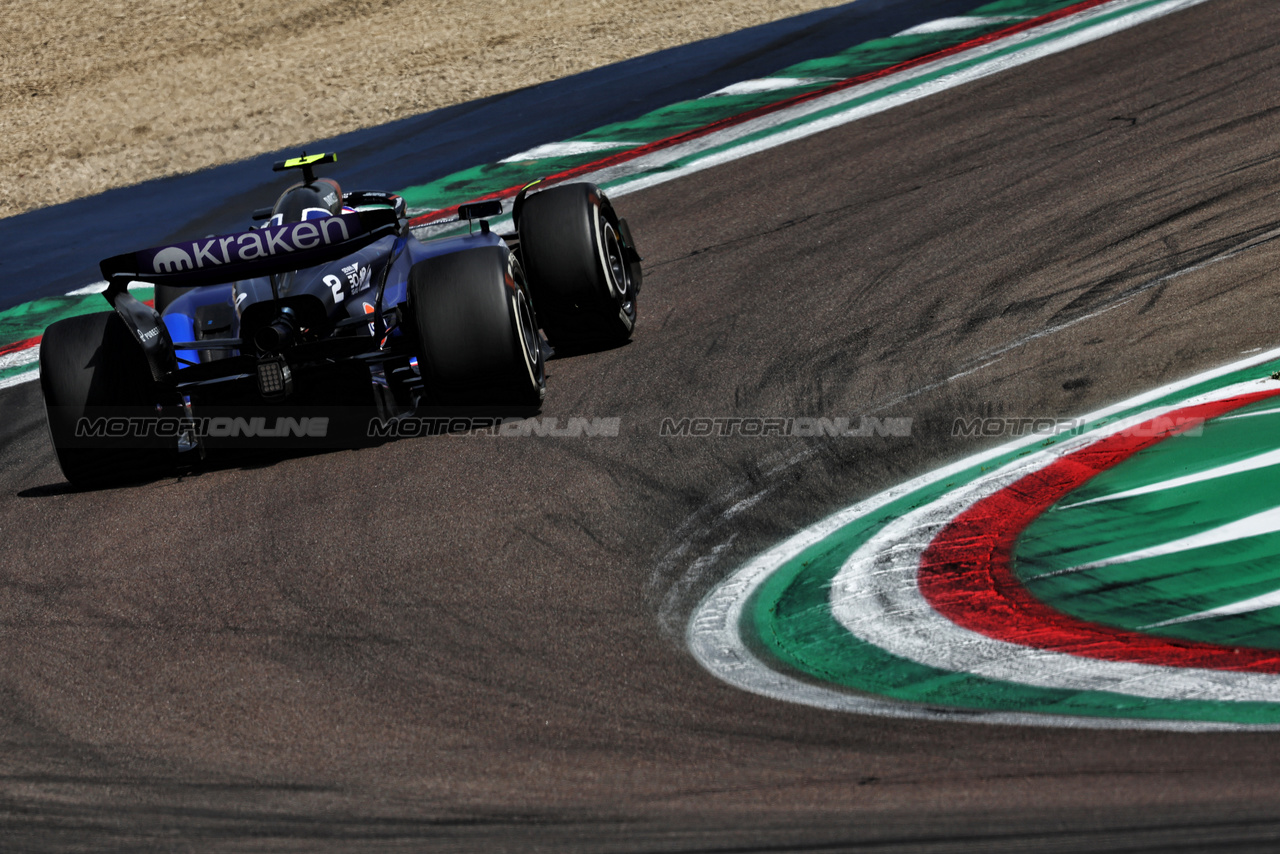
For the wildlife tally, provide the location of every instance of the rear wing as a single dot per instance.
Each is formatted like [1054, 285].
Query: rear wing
[230, 258]
[249, 254]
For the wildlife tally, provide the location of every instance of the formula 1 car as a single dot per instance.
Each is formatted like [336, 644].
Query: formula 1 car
[332, 302]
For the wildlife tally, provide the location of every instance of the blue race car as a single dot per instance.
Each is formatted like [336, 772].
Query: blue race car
[332, 302]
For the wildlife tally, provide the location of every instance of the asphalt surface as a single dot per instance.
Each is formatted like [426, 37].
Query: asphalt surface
[53, 250]
[475, 643]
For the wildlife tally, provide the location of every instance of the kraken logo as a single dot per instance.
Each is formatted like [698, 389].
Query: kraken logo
[171, 260]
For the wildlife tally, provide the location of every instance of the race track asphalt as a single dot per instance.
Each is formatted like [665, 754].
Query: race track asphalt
[475, 643]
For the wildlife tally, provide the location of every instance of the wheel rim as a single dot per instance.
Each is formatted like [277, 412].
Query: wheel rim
[615, 265]
[529, 344]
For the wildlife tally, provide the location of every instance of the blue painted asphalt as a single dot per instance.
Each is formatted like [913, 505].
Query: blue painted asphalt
[55, 249]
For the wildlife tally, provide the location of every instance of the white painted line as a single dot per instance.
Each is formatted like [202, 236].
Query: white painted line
[1257, 525]
[715, 640]
[652, 169]
[1270, 458]
[876, 597]
[1246, 606]
[101, 287]
[769, 84]
[31, 355]
[710, 150]
[964, 22]
[631, 177]
[19, 379]
[18, 358]
[1250, 414]
[95, 288]
[568, 148]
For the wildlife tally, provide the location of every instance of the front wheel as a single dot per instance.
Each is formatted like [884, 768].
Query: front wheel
[584, 271]
[477, 338]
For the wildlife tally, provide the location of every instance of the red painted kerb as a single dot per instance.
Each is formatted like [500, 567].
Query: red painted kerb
[966, 573]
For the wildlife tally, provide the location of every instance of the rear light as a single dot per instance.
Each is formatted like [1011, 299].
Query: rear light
[274, 379]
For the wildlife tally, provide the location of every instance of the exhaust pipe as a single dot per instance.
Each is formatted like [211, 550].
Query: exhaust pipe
[277, 337]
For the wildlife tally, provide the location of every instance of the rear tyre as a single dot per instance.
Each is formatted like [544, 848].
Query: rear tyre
[583, 273]
[477, 337]
[92, 368]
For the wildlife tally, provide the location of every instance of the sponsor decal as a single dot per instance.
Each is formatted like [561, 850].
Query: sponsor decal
[335, 287]
[357, 278]
[268, 242]
[171, 260]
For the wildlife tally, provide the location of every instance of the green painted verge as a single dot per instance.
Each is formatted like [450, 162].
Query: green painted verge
[789, 620]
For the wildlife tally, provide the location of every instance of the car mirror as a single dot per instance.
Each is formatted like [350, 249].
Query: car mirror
[480, 210]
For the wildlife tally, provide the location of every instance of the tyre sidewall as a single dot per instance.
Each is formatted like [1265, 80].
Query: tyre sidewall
[90, 367]
[567, 235]
[466, 308]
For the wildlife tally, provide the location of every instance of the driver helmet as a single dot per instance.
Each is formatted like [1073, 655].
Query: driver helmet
[319, 199]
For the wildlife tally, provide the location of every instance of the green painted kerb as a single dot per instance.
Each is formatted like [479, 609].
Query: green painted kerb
[865, 58]
[789, 618]
[1136, 594]
[29, 320]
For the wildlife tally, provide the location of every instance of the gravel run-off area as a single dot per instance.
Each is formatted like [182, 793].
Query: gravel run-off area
[104, 93]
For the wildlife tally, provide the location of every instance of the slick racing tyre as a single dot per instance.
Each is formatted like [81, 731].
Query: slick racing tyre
[477, 337]
[584, 272]
[92, 373]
